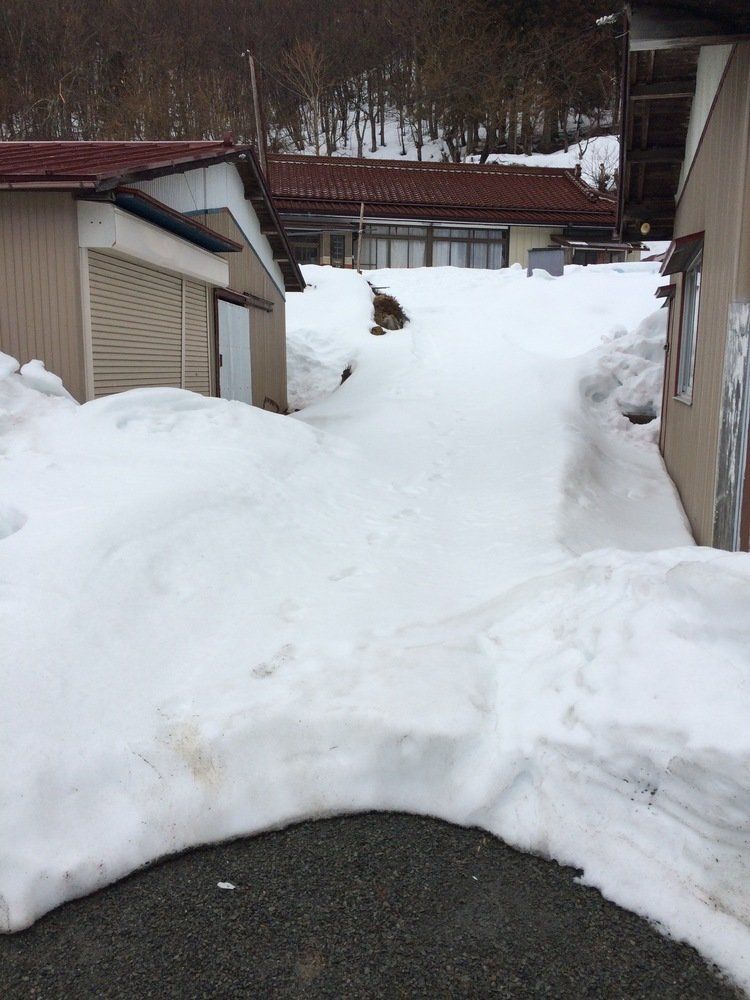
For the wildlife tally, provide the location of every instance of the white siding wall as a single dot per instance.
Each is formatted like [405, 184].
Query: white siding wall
[218, 186]
[712, 61]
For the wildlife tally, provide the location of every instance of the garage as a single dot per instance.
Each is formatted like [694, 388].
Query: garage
[148, 325]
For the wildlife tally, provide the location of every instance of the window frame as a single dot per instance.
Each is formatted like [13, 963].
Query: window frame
[305, 243]
[337, 259]
[691, 287]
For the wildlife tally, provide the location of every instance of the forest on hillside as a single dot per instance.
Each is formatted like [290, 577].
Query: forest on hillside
[481, 75]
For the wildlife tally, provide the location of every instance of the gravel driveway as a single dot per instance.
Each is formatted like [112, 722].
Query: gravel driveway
[376, 905]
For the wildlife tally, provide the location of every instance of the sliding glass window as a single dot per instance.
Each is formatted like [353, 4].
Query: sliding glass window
[459, 247]
[438, 246]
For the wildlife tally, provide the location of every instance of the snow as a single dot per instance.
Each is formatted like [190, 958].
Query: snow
[432, 149]
[460, 584]
[588, 154]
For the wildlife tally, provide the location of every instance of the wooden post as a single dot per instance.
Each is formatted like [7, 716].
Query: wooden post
[259, 137]
[359, 235]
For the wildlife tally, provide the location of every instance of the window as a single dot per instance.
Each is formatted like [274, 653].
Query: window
[394, 246]
[411, 246]
[338, 249]
[458, 247]
[306, 249]
[691, 297]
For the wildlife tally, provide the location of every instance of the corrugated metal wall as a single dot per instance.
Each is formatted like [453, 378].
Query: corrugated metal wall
[137, 316]
[40, 292]
[197, 343]
[713, 201]
[525, 238]
[267, 329]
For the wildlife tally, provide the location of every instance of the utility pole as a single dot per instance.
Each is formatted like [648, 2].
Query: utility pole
[359, 235]
[260, 138]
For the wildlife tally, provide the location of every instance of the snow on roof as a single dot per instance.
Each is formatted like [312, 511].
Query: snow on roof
[443, 191]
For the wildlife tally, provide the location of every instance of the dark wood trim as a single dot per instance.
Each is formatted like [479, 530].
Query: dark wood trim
[640, 211]
[663, 90]
[229, 295]
[658, 27]
[217, 355]
[246, 299]
[429, 244]
[258, 302]
[681, 253]
[663, 154]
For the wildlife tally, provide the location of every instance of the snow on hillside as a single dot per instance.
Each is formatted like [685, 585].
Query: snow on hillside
[391, 150]
[459, 584]
[589, 154]
[586, 153]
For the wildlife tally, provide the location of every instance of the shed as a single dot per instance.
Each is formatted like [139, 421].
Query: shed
[129, 264]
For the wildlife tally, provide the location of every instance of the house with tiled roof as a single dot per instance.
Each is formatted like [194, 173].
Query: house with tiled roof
[135, 264]
[423, 214]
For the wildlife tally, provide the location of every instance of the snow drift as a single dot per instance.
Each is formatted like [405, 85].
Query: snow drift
[459, 584]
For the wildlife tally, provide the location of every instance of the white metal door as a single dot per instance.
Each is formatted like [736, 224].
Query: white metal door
[235, 381]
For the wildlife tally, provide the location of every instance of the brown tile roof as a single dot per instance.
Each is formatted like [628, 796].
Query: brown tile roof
[89, 165]
[442, 191]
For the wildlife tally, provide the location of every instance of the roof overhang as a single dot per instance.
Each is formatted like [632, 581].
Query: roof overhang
[661, 26]
[661, 42]
[67, 177]
[681, 253]
[573, 244]
[104, 226]
[146, 207]
[259, 195]
[446, 214]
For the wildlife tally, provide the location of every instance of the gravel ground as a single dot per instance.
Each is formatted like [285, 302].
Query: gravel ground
[377, 905]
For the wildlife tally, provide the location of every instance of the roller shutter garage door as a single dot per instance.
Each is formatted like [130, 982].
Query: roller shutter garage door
[148, 328]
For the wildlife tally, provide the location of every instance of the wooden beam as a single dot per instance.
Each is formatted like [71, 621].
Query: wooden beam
[665, 154]
[669, 28]
[663, 90]
[659, 208]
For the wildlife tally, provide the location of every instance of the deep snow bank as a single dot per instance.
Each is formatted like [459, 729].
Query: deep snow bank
[412, 595]
[326, 326]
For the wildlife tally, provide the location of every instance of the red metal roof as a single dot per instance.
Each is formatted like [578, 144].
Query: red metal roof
[89, 165]
[322, 185]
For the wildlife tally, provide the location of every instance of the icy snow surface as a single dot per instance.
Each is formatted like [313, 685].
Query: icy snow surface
[460, 584]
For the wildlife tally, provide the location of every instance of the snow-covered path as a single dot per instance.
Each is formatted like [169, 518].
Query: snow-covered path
[460, 585]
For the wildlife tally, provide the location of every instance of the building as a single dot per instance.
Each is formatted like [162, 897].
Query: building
[130, 264]
[419, 214]
[686, 177]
